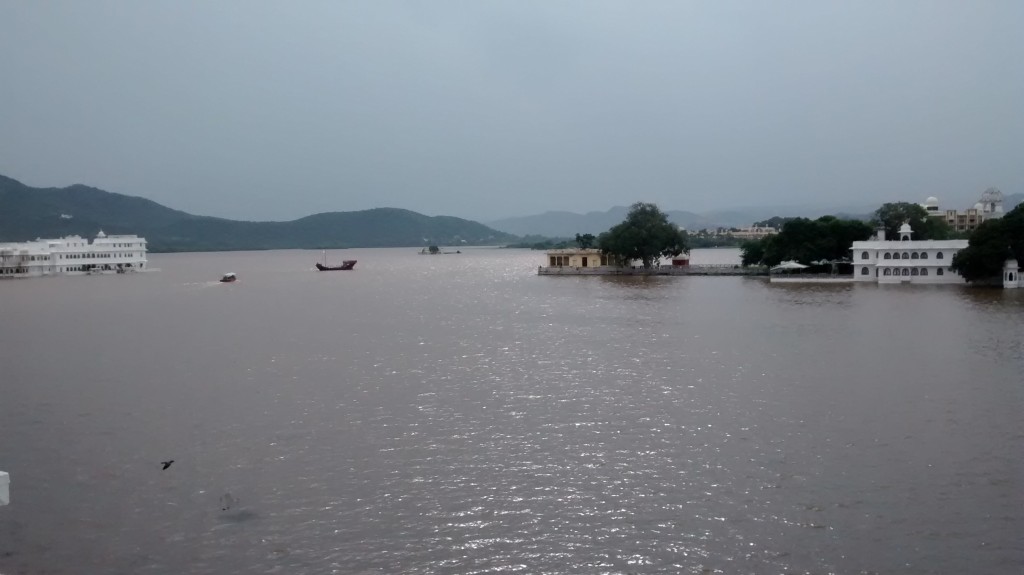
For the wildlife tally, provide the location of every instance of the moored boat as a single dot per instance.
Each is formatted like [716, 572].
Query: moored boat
[345, 265]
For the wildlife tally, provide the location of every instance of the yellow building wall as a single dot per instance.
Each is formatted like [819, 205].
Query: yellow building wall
[574, 259]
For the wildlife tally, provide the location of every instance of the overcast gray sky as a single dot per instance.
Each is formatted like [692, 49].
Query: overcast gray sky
[276, 110]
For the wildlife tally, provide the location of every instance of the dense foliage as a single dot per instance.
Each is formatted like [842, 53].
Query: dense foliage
[706, 239]
[28, 213]
[541, 243]
[773, 222]
[645, 234]
[894, 215]
[803, 240]
[585, 241]
[990, 245]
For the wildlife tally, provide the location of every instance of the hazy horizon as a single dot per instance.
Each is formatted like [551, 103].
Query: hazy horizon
[266, 111]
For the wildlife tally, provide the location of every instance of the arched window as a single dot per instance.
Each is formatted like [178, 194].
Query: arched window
[906, 256]
[864, 270]
[914, 256]
[913, 272]
[888, 256]
[888, 272]
[864, 255]
[938, 256]
[924, 271]
[924, 255]
[938, 272]
[906, 271]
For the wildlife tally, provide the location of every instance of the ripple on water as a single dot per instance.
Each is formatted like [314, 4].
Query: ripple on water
[483, 419]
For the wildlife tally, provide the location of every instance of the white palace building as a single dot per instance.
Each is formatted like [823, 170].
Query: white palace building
[906, 260]
[73, 255]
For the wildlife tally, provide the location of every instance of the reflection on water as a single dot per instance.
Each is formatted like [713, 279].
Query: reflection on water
[634, 283]
[460, 414]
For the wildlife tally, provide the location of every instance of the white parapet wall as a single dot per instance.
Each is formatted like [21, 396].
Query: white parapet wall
[5, 488]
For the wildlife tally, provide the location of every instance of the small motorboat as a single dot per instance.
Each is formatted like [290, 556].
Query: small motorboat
[228, 278]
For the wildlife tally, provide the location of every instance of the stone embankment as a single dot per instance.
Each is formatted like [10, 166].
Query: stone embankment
[691, 270]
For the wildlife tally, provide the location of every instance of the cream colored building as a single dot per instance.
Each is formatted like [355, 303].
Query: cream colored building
[989, 206]
[579, 258]
[753, 233]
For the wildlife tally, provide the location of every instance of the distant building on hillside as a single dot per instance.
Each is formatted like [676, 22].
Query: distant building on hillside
[753, 232]
[905, 260]
[988, 207]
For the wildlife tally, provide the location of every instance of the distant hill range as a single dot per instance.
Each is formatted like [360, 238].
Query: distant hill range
[568, 224]
[27, 213]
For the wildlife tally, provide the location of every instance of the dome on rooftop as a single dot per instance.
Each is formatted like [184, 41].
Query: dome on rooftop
[905, 228]
[931, 201]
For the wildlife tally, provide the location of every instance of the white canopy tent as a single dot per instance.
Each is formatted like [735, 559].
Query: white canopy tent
[787, 266]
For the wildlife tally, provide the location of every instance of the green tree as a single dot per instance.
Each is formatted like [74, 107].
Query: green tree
[893, 215]
[645, 234]
[990, 245]
[585, 241]
[1013, 227]
[752, 251]
[804, 240]
[773, 222]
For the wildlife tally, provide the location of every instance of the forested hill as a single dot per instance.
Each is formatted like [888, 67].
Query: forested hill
[27, 213]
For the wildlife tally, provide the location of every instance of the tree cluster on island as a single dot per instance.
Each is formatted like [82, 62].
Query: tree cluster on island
[775, 222]
[645, 235]
[804, 240]
[720, 238]
[925, 227]
[585, 241]
[829, 238]
[990, 245]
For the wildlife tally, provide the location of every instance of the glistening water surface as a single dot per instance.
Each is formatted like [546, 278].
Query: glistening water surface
[459, 414]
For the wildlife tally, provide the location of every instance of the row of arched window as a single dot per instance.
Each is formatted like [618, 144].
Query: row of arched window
[907, 271]
[904, 256]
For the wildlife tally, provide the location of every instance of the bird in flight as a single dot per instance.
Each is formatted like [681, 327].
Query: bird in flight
[166, 464]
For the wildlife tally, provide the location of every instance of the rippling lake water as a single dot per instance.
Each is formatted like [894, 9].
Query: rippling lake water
[460, 414]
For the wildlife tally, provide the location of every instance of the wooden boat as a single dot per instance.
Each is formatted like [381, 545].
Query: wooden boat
[345, 265]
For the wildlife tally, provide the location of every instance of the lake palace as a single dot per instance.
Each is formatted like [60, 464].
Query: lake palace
[73, 255]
